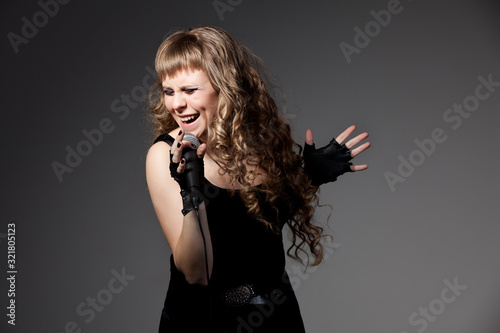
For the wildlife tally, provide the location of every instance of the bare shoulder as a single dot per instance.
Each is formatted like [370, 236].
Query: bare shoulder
[157, 167]
[158, 152]
[158, 161]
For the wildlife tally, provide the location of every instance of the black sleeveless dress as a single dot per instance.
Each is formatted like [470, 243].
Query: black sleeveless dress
[248, 256]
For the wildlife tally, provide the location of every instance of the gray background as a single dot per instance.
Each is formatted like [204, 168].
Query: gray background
[394, 248]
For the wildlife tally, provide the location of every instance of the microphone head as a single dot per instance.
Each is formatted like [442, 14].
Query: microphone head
[193, 139]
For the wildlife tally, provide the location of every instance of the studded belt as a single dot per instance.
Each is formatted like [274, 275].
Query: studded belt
[245, 294]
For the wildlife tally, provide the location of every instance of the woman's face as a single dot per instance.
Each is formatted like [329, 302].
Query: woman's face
[191, 99]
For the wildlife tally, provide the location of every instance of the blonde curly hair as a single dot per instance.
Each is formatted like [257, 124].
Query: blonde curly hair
[247, 130]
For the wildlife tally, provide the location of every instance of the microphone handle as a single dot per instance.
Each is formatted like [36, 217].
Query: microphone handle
[191, 170]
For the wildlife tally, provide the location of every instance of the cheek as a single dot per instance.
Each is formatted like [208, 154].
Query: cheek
[169, 107]
[167, 104]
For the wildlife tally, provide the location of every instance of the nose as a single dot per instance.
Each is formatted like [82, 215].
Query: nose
[179, 102]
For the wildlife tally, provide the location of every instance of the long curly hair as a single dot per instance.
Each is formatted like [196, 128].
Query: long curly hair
[247, 131]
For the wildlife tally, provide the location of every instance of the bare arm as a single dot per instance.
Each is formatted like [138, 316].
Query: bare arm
[182, 232]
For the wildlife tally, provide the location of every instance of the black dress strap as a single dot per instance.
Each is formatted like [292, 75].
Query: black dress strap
[166, 138]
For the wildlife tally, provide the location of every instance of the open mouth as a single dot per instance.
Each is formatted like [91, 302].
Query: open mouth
[189, 119]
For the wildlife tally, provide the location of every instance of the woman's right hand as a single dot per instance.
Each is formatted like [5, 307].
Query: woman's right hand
[191, 196]
[178, 162]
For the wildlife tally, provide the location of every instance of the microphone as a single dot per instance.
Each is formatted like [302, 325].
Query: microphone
[191, 170]
[193, 184]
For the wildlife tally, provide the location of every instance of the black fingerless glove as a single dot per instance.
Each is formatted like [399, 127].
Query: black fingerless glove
[325, 164]
[191, 197]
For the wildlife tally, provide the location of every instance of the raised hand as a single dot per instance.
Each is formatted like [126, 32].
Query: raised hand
[325, 164]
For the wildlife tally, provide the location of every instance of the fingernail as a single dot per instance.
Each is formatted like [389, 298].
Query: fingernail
[180, 132]
[178, 145]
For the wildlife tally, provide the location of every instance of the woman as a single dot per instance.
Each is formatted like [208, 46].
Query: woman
[228, 262]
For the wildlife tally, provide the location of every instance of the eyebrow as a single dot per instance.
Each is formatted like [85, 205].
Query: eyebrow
[183, 87]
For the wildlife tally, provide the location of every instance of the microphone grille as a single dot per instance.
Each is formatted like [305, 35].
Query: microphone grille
[193, 139]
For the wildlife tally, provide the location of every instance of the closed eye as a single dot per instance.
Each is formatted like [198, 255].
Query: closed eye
[190, 91]
[168, 92]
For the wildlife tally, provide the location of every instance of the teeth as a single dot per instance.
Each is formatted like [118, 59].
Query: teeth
[189, 118]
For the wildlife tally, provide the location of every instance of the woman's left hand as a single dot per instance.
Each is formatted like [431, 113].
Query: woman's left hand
[325, 164]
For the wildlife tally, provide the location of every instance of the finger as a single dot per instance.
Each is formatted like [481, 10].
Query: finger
[182, 166]
[176, 151]
[201, 150]
[360, 167]
[176, 148]
[360, 149]
[179, 137]
[188, 145]
[309, 137]
[345, 134]
[354, 141]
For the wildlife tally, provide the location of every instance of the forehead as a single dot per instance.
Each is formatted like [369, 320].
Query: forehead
[185, 77]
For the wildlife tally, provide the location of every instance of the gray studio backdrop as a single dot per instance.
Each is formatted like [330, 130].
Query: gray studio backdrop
[416, 245]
